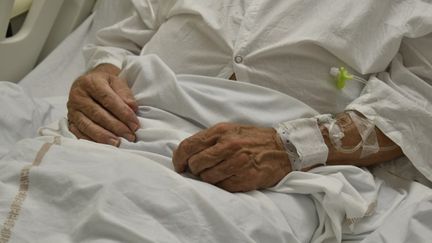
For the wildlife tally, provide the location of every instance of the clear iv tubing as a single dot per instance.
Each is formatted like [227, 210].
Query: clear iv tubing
[341, 149]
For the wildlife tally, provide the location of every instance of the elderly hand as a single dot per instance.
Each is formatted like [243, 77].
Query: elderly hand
[101, 107]
[234, 157]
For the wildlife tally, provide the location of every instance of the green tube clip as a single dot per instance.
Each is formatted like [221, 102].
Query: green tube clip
[342, 77]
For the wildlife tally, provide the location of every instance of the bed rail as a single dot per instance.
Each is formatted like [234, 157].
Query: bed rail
[72, 14]
[5, 14]
[19, 53]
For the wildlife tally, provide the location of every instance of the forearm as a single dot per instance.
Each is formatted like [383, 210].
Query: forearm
[388, 150]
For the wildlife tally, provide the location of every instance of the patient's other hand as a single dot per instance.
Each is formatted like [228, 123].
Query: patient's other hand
[101, 107]
[234, 157]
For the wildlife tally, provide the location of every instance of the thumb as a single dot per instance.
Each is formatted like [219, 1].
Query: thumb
[121, 88]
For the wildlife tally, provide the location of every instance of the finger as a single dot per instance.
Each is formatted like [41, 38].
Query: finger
[191, 146]
[107, 98]
[211, 156]
[239, 183]
[88, 128]
[225, 169]
[102, 117]
[221, 128]
[121, 87]
[77, 133]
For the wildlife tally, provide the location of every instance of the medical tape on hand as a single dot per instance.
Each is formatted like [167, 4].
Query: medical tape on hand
[366, 129]
[368, 144]
[335, 132]
[303, 142]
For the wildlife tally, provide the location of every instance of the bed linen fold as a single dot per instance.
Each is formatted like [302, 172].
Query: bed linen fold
[88, 192]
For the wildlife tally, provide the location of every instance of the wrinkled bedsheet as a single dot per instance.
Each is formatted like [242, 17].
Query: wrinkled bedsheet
[55, 188]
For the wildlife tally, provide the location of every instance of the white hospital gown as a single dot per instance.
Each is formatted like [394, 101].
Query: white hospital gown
[290, 46]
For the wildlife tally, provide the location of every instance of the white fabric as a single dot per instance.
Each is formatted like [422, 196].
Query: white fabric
[302, 64]
[87, 192]
[344, 195]
[290, 46]
[84, 192]
[21, 115]
[55, 74]
[399, 103]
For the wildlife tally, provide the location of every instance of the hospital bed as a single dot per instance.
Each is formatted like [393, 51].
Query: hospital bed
[44, 24]
[81, 210]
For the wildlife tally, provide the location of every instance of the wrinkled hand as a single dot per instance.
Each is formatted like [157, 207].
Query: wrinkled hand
[102, 108]
[234, 157]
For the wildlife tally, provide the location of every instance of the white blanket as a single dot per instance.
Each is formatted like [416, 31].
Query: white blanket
[59, 189]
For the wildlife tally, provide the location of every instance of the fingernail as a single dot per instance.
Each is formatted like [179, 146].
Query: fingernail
[130, 137]
[114, 142]
[133, 126]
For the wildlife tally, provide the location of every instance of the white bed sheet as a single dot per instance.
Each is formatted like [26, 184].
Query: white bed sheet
[87, 192]
[403, 212]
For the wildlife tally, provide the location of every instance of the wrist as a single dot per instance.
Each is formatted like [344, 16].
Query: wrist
[350, 139]
[350, 149]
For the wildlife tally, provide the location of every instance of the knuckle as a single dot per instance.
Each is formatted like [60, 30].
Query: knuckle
[75, 132]
[76, 96]
[82, 81]
[105, 100]
[85, 78]
[116, 80]
[82, 124]
[70, 118]
[74, 93]
[133, 106]
[73, 90]
[185, 146]
[193, 162]
[197, 163]
[70, 105]
[71, 115]
[222, 127]
[209, 176]
[97, 114]
[198, 139]
[233, 144]
[127, 113]
[206, 177]
[93, 82]
[211, 153]
[178, 155]
[75, 104]
[72, 128]
[180, 147]
[193, 167]
[176, 158]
